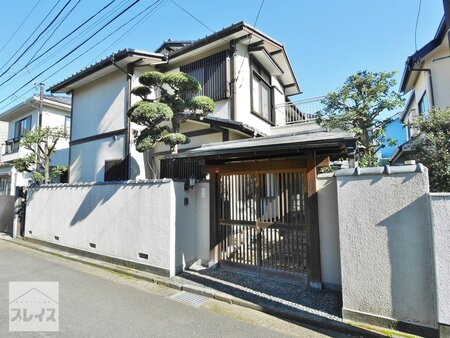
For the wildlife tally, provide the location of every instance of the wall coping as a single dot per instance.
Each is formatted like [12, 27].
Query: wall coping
[440, 194]
[92, 184]
[386, 170]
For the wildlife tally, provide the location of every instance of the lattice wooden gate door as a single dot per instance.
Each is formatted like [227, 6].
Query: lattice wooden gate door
[263, 220]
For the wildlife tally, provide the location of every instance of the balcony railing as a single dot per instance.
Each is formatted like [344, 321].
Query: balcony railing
[298, 111]
[12, 145]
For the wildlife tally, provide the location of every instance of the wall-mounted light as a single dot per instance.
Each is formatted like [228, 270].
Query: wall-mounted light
[189, 184]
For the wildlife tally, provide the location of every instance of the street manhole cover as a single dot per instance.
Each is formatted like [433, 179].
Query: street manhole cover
[189, 298]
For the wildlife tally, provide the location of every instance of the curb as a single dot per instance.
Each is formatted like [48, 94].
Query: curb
[295, 316]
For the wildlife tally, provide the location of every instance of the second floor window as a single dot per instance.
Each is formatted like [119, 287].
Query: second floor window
[261, 93]
[22, 126]
[67, 121]
[423, 104]
[211, 72]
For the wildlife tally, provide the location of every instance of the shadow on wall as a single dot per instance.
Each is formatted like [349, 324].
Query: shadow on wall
[97, 195]
[409, 244]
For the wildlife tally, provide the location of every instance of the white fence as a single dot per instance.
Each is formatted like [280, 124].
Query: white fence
[385, 238]
[132, 221]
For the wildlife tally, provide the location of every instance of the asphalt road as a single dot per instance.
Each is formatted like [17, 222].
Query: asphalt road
[97, 303]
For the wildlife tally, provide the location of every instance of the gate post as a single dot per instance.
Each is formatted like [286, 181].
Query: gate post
[315, 278]
[214, 215]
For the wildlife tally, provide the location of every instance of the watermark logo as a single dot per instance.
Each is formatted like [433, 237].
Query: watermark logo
[34, 306]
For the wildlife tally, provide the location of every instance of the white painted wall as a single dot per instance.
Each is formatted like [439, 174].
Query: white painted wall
[440, 220]
[99, 106]
[123, 220]
[385, 244]
[192, 225]
[330, 259]
[243, 97]
[88, 159]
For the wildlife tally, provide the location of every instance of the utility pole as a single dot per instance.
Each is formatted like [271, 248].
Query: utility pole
[41, 106]
[41, 102]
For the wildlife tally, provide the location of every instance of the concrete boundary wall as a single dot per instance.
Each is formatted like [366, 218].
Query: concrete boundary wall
[440, 221]
[330, 259]
[7, 214]
[152, 223]
[386, 247]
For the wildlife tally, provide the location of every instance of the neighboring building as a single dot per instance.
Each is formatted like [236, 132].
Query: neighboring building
[3, 133]
[24, 117]
[426, 78]
[255, 104]
[397, 131]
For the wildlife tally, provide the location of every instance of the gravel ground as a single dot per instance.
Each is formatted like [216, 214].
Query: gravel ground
[263, 291]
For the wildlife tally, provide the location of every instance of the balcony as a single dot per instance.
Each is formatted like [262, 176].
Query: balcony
[12, 145]
[296, 112]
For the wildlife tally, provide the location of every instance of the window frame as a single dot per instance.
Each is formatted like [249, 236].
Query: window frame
[423, 98]
[21, 133]
[67, 129]
[256, 71]
[218, 89]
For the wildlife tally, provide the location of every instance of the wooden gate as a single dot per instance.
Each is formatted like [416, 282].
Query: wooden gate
[263, 220]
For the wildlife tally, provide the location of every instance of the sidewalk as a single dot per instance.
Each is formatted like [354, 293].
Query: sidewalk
[302, 304]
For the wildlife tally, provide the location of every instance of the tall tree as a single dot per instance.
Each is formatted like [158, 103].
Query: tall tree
[166, 97]
[41, 144]
[356, 108]
[432, 147]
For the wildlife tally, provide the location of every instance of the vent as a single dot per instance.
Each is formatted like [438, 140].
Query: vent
[143, 255]
[189, 298]
[56, 238]
[93, 245]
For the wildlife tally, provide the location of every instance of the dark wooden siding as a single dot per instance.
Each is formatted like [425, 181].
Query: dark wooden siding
[211, 72]
[115, 170]
[181, 169]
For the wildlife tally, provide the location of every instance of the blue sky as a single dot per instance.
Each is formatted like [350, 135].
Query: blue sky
[327, 40]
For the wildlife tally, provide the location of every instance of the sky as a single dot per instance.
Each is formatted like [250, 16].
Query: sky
[326, 40]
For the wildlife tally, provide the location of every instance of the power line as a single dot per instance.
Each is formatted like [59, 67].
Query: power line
[158, 3]
[192, 16]
[29, 37]
[74, 49]
[37, 38]
[32, 59]
[417, 23]
[196, 19]
[20, 26]
[249, 38]
[158, 6]
[54, 30]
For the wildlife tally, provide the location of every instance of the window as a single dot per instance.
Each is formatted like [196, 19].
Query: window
[22, 126]
[423, 104]
[261, 93]
[115, 170]
[211, 72]
[5, 186]
[67, 121]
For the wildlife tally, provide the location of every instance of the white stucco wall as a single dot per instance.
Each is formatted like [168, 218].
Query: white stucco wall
[440, 220]
[439, 71]
[192, 225]
[88, 159]
[385, 244]
[99, 106]
[123, 220]
[329, 231]
[243, 97]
